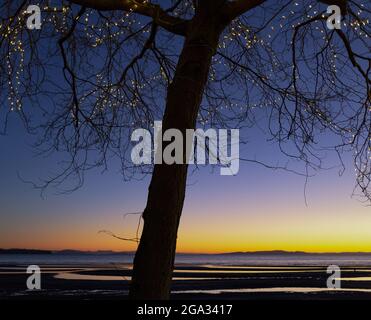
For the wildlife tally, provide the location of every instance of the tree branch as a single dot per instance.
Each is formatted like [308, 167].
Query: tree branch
[143, 7]
[238, 7]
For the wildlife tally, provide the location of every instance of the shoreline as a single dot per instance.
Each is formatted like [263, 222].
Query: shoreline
[192, 282]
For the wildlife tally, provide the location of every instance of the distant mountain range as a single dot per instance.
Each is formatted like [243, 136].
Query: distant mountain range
[247, 253]
[36, 251]
[292, 253]
[24, 251]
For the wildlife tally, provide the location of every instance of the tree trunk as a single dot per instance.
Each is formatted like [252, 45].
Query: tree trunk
[154, 259]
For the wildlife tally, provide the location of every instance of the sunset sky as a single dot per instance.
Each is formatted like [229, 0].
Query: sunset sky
[258, 209]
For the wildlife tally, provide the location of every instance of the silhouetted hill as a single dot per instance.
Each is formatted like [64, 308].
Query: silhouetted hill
[293, 253]
[90, 252]
[24, 251]
[239, 253]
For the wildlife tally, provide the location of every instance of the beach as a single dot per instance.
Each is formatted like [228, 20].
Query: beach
[190, 282]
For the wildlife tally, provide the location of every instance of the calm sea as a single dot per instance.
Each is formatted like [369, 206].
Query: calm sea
[196, 259]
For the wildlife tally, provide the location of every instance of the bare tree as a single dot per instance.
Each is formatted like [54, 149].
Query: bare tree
[97, 69]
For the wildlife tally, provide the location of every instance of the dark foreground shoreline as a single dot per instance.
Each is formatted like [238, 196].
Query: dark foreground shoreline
[111, 282]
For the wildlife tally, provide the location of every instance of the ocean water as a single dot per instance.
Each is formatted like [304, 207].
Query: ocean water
[76, 275]
[263, 260]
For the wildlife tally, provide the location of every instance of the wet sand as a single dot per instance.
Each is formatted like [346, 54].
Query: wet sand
[191, 282]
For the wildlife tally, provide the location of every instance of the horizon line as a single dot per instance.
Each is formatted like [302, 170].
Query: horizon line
[277, 251]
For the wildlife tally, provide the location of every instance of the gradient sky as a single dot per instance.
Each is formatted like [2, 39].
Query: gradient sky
[258, 209]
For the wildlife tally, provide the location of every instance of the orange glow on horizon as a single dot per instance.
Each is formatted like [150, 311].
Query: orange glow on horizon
[328, 226]
[309, 233]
